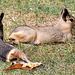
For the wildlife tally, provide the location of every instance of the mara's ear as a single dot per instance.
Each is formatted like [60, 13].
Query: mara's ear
[64, 13]
[1, 16]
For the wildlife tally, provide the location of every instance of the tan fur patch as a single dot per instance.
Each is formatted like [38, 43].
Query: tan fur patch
[19, 36]
[9, 56]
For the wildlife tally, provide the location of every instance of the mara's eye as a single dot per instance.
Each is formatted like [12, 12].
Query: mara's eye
[13, 39]
[71, 20]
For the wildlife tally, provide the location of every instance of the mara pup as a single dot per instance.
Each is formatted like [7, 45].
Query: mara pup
[1, 26]
[60, 32]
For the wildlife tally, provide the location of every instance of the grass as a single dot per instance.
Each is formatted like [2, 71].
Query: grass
[58, 58]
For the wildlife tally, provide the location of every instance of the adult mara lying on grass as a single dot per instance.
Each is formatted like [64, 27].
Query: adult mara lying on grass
[60, 32]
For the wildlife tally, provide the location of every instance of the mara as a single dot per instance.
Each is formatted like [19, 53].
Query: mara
[60, 32]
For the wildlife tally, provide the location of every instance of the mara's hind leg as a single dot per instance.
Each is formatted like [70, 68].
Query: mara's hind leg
[23, 34]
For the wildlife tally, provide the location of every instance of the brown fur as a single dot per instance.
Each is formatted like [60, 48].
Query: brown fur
[60, 32]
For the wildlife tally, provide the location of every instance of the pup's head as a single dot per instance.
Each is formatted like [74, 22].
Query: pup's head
[16, 37]
[67, 17]
[1, 26]
[13, 38]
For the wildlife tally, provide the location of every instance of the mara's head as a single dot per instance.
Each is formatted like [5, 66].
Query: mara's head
[14, 38]
[1, 25]
[67, 17]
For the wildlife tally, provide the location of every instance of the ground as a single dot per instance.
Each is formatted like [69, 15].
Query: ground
[58, 57]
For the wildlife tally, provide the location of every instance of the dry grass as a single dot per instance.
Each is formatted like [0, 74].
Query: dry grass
[58, 58]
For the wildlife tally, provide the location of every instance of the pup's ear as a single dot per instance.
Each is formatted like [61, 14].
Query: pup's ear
[1, 16]
[64, 13]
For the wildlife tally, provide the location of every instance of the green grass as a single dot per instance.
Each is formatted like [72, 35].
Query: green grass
[58, 58]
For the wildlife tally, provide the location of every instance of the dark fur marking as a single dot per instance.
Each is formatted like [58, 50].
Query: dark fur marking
[24, 60]
[1, 25]
[65, 13]
[13, 59]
